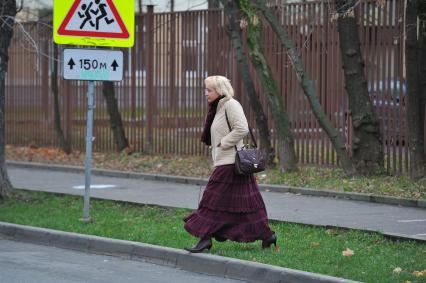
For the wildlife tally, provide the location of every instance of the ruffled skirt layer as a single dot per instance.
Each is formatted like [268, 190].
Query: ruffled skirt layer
[231, 208]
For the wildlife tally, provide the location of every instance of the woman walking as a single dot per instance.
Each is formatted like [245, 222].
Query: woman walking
[231, 207]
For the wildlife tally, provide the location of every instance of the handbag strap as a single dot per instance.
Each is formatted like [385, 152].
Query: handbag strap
[251, 133]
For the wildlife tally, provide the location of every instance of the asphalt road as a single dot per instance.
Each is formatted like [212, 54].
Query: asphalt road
[27, 263]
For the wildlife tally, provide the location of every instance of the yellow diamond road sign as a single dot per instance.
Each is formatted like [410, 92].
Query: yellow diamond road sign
[94, 22]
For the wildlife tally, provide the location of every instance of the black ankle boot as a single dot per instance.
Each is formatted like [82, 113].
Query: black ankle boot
[268, 242]
[200, 246]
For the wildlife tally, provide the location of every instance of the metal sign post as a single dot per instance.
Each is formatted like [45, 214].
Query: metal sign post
[93, 23]
[88, 160]
[91, 64]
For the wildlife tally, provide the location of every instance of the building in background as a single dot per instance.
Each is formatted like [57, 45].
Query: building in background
[35, 9]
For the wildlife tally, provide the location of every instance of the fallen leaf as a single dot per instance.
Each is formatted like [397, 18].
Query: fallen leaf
[397, 270]
[348, 252]
[315, 244]
[33, 146]
[332, 232]
[420, 273]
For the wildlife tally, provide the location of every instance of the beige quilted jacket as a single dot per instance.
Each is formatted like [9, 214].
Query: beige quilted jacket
[225, 154]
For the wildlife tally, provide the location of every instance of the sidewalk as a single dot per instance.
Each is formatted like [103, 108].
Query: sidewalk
[391, 220]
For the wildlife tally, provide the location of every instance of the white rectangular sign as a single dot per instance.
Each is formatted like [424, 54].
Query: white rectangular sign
[92, 64]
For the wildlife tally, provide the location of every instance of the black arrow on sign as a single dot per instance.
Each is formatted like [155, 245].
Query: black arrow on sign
[71, 63]
[114, 65]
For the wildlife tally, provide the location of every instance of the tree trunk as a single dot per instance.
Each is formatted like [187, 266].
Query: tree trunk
[422, 39]
[367, 145]
[309, 89]
[115, 117]
[243, 65]
[415, 102]
[63, 143]
[7, 15]
[286, 152]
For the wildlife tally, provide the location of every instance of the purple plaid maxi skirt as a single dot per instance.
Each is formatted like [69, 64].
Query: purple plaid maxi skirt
[231, 208]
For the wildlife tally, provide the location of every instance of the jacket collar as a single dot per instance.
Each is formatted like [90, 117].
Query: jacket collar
[222, 103]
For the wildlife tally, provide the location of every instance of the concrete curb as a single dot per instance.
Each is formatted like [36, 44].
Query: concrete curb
[421, 203]
[201, 263]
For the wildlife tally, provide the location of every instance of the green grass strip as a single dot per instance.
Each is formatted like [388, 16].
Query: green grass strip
[313, 249]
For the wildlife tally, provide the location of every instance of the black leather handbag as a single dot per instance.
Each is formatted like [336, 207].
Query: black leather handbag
[248, 160]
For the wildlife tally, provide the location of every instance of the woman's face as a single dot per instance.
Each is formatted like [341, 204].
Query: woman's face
[211, 94]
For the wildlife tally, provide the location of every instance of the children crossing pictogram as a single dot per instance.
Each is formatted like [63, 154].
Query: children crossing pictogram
[93, 18]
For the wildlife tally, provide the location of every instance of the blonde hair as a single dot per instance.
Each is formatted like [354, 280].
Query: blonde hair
[221, 85]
